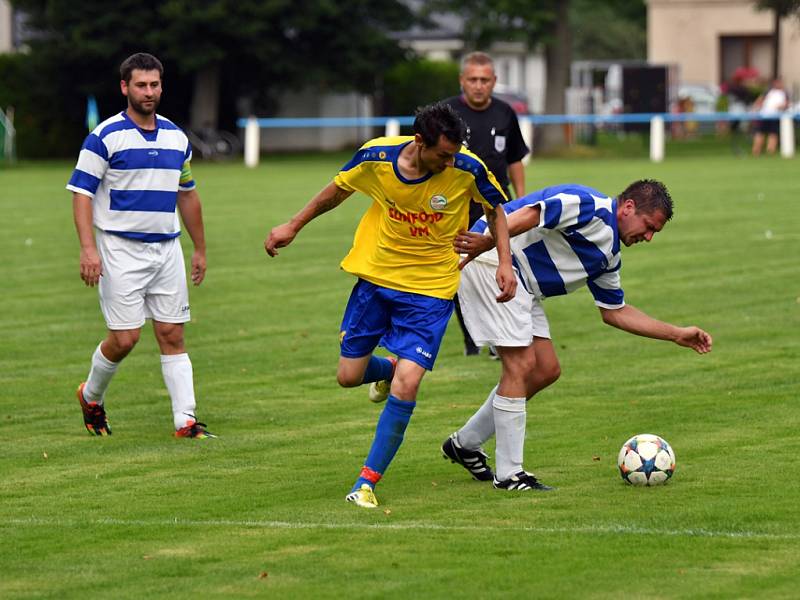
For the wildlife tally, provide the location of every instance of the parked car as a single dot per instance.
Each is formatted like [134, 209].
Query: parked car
[515, 98]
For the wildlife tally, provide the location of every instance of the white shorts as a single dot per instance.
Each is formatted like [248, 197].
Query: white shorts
[512, 323]
[141, 281]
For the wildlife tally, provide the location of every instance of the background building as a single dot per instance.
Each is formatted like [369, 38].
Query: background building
[711, 39]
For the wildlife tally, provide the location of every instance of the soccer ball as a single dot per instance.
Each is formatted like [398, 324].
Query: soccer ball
[646, 459]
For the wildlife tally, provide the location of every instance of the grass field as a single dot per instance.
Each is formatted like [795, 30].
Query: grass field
[260, 512]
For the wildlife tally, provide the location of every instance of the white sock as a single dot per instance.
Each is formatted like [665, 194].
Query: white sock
[509, 421]
[100, 375]
[178, 376]
[480, 426]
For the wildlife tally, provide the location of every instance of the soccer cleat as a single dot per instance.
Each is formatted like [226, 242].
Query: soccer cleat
[379, 390]
[363, 497]
[194, 429]
[473, 461]
[522, 482]
[493, 353]
[94, 415]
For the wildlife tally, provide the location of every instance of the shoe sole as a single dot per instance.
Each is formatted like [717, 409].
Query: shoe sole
[354, 500]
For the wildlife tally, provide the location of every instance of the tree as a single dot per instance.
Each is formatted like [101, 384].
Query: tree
[239, 48]
[609, 30]
[780, 10]
[542, 23]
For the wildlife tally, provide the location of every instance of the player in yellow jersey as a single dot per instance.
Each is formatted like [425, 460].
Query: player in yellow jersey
[403, 256]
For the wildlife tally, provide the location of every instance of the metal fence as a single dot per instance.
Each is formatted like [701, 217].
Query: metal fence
[252, 126]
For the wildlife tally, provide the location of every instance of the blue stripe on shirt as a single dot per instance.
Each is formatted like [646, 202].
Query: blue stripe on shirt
[96, 145]
[147, 158]
[593, 259]
[143, 200]
[373, 153]
[120, 125]
[544, 270]
[85, 181]
[586, 209]
[605, 296]
[552, 213]
[492, 194]
[145, 237]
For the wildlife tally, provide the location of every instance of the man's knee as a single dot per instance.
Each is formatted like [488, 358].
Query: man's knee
[169, 335]
[347, 378]
[350, 372]
[120, 343]
[552, 373]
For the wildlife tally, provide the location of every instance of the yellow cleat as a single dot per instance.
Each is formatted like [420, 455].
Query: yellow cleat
[363, 497]
[379, 391]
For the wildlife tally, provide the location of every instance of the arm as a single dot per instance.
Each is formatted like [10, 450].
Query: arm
[191, 212]
[91, 266]
[506, 279]
[473, 243]
[516, 173]
[632, 320]
[327, 199]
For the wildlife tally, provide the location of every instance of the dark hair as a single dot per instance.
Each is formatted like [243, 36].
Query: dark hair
[649, 196]
[439, 119]
[142, 61]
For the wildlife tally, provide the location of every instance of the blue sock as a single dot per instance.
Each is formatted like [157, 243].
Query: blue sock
[388, 436]
[378, 369]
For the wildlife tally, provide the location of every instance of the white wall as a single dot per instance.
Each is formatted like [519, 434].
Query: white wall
[687, 32]
[310, 103]
[6, 41]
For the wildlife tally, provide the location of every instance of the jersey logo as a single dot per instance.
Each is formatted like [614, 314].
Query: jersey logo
[153, 153]
[438, 202]
[499, 143]
[423, 352]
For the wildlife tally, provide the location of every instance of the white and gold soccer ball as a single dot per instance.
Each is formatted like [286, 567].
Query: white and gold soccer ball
[646, 459]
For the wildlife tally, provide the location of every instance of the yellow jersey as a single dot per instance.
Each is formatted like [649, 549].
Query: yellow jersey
[405, 239]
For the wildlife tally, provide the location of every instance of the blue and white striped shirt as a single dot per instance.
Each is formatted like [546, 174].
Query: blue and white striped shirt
[576, 243]
[133, 177]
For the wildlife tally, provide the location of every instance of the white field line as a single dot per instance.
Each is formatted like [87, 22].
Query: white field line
[406, 526]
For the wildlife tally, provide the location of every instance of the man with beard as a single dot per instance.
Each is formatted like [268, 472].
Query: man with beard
[133, 171]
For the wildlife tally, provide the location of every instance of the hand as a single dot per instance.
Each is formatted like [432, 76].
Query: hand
[507, 282]
[471, 244]
[198, 267]
[694, 338]
[280, 237]
[91, 266]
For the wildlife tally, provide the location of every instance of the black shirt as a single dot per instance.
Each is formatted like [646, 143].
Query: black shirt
[493, 134]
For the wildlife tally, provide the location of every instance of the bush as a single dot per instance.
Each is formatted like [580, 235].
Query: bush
[418, 82]
[46, 127]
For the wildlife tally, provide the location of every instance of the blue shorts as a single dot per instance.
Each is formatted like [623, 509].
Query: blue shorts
[409, 325]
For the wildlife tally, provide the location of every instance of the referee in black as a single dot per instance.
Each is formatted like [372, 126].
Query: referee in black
[493, 134]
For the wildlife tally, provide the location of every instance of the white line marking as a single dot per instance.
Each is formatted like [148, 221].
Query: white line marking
[411, 525]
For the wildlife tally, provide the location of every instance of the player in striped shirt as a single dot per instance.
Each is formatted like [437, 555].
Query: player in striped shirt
[133, 171]
[564, 237]
[420, 188]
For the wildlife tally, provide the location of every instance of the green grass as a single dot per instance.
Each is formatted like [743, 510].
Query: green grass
[260, 512]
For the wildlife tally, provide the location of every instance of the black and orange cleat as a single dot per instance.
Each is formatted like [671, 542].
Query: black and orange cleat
[194, 429]
[94, 415]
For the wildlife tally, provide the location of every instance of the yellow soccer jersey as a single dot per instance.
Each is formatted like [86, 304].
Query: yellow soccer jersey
[405, 239]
